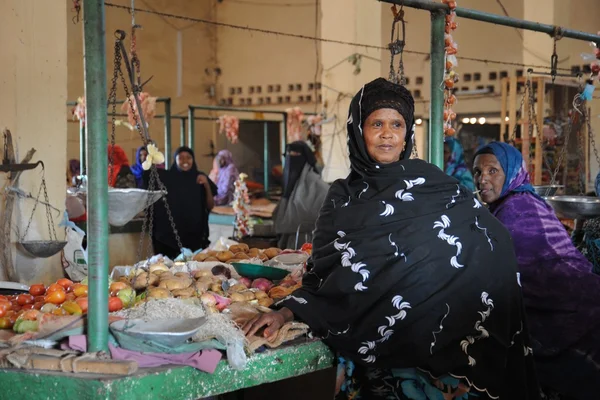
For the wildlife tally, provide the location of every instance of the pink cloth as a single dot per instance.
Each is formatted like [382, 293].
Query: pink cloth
[205, 360]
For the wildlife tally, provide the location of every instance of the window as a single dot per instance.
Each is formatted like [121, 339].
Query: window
[248, 101]
[242, 102]
[251, 90]
[268, 100]
[575, 69]
[290, 88]
[230, 101]
[298, 87]
[491, 88]
[477, 76]
[503, 74]
[417, 94]
[467, 77]
[270, 88]
[231, 91]
[419, 80]
[309, 99]
[259, 89]
[288, 99]
[493, 76]
[519, 73]
[407, 80]
[277, 88]
[300, 99]
[279, 99]
[239, 90]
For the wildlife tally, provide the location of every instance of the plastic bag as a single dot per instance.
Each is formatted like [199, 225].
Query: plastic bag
[74, 256]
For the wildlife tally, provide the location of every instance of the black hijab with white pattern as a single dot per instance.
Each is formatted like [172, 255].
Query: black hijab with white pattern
[409, 270]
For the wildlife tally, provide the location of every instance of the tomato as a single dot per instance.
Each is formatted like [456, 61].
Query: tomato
[114, 304]
[72, 308]
[30, 315]
[83, 303]
[38, 305]
[6, 323]
[39, 299]
[70, 297]
[16, 308]
[65, 283]
[28, 307]
[59, 311]
[80, 290]
[4, 309]
[54, 287]
[3, 298]
[37, 289]
[23, 299]
[56, 297]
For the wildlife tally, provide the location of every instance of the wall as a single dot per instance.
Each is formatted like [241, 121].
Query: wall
[157, 44]
[34, 91]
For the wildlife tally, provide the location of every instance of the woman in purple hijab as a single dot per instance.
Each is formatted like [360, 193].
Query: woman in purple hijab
[562, 295]
[225, 177]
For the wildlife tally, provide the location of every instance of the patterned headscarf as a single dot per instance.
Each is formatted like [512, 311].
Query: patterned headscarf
[456, 166]
[515, 169]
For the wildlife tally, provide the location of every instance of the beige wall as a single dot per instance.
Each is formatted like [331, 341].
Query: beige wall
[34, 91]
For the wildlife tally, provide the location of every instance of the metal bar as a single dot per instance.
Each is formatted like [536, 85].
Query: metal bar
[191, 127]
[497, 19]
[82, 158]
[284, 140]
[232, 109]
[436, 112]
[97, 200]
[182, 131]
[266, 157]
[167, 130]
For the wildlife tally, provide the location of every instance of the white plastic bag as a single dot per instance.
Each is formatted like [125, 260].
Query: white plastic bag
[74, 256]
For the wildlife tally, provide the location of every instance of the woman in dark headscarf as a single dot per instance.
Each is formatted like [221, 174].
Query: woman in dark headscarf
[561, 293]
[137, 169]
[411, 279]
[303, 195]
[190, 199]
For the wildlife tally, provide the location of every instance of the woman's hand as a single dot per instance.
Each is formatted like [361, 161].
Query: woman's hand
[202, 180]
[273, 321]
[210, 201]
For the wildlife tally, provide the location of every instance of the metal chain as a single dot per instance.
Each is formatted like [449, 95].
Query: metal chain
[513, 137]
[112, 100]
[49, 219]
[563, 152]
[37, 200]
[396, 47]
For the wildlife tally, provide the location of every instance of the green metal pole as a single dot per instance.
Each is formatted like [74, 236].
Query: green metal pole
[496, 19]
[97, 199]
[436, 111]
[167, 131]
[191, 127]
[82, 162]
[266, 157]
[182, 132]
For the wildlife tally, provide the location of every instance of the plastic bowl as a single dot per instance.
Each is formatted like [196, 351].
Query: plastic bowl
[260, 271]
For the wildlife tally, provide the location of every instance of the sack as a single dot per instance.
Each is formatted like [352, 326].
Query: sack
[74, 256]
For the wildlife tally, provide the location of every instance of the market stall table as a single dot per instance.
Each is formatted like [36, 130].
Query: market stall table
[173, 383]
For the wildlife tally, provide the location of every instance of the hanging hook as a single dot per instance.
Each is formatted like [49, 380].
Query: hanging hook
[557, 35]
[396, 46]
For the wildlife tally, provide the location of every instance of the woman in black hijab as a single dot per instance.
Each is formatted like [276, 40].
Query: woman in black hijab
[303, 195]
[190, 198]
[411, 279]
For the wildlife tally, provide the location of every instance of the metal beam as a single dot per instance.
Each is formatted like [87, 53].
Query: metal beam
[97, 199]
[436, 111]
[497, 19]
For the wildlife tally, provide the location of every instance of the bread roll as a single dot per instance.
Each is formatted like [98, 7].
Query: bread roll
[225, 256]
[159, 293]
[158, 268]
[202, 272]
[265, 302]
[144, 280]
[241, 256]
[200, 257]
[185, 293]
[177, 283]
[212, 259]
[272, 252]
[253, 253]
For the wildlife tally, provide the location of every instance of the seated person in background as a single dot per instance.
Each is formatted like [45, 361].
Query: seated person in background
[561, 294]
[455, 163]
[224, 174]
[73, 171]
[137, 169]
[303, 195]
[119, 173]
[410, 277]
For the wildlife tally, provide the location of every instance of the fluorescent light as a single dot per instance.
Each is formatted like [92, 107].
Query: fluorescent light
[506, 119]
[481, 120]
[473, 120]
[419, 121]
[465, 121]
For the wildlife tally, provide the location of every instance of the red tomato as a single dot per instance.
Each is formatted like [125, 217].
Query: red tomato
[70, 297]
[28, 307]
[30, 315]
[38, 299]
[4, 309]
[65, 283]
[116, 286]
[3, 298]
[37, 289]
[80, 290]
[23, 299]
[56, 297]
[114, 304]
[38, 305]
[54, 287]
[83, 303]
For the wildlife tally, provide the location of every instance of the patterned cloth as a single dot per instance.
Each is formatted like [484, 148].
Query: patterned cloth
[456, 166]
[225, 179]
[562, 295]
[408, 270]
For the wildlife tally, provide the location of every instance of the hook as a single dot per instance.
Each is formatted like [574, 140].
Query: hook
[120, 35]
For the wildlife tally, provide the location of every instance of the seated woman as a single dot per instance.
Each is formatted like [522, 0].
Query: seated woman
[410, 277]
[190, 198]
[119, 172]
[224, 174]
[455, 163]
[561, 294]
[137, 169]
[303, 194]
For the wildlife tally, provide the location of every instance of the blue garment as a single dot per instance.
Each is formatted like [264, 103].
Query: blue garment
[456, 166]
[137, 169]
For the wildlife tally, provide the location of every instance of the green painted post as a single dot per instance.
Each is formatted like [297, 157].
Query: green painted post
[182, 132]
[82, 162]
[436, 112]
[266, 157]
[97, 199]
[191, 127]
[167, 131]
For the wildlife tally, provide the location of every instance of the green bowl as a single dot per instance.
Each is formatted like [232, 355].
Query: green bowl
[258, 271]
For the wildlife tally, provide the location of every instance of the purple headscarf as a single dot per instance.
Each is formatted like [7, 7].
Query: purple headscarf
[228, 173]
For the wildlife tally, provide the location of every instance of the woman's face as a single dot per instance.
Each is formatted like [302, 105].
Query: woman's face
[384, 132]
[489, 177]
[221, 161]
[184, 161]
[143, 155]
